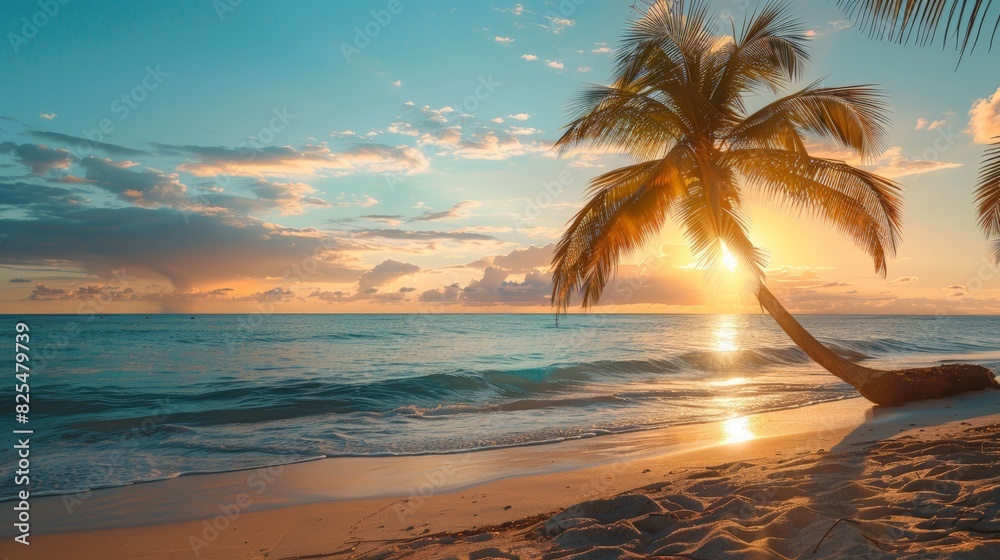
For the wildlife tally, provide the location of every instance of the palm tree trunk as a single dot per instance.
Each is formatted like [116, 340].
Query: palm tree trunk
[852, 373]
[879, 386]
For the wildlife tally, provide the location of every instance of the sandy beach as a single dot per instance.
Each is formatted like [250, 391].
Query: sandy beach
[522, 280]
[845, 478]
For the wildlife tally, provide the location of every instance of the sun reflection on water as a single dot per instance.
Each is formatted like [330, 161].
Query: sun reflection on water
[731, 382]
[725, 334]
[737, 429]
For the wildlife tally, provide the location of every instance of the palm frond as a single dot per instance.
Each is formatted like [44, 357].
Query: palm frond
[863, 206]
[988, 191]
[988, 194]
[617, 119]
[769, 52]
[963, 22]
[627, 207]
[678, 29]
[853, 116]
[707, 232]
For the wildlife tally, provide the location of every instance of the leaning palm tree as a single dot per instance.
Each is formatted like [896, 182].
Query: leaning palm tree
[676, 105]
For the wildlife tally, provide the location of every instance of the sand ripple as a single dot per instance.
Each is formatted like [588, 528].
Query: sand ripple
[900, 498]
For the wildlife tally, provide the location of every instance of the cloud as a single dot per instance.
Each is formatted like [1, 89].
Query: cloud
[600, 48]
[47, 116]
[273, 295]
[37, 157]
[557, 24]
[287, 197]
[661, 281]
[830, 28]
[494, 289]
[365, 201]
[83, 147]
[487, 146]
[187, 249]
[384, 273]
[459, 210]
[894, 165]
[903, 280]
[520, 116]
[522, 131]
[486, 229]
[392, 219]
[398, 83]
[984, 119]
[519, 260]
[43, 292]
[517, 10]
[503, 40]
[39, 200]
[404, 128]
[410, 235]
[497, 120]
[541, 232]
[584, 69]
[529, 57]
[586, 161]
[169, 300]
[891, 164]
[148, 187]
[667, 285]
[554, 64]
[308, 160]
[924, 124]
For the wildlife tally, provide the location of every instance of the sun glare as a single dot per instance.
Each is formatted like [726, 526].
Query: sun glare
[728, 260]
[731, 382]
[737, 429]
[725, 335]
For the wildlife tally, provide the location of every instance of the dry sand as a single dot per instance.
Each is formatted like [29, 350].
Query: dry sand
[845, 479]
[906, 497]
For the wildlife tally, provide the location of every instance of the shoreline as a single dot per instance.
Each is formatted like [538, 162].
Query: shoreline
[568, 439]
[377, 477]
[341, 495]
[885, 362]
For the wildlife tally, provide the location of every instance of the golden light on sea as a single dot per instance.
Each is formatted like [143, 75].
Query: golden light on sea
[731, 382]
[737, 429]
[725, 334]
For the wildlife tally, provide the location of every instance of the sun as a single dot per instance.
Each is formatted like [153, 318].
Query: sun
[728, 260]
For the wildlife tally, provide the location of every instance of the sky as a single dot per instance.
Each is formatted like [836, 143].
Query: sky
[396, 156]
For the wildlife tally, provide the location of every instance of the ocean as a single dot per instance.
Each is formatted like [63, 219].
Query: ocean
[121, 399]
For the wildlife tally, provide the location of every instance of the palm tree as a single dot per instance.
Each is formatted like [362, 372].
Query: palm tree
[676, 105]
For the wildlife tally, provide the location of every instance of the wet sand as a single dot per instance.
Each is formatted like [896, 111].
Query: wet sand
[764, 486]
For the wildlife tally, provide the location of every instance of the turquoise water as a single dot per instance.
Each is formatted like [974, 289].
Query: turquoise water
[126, 398]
